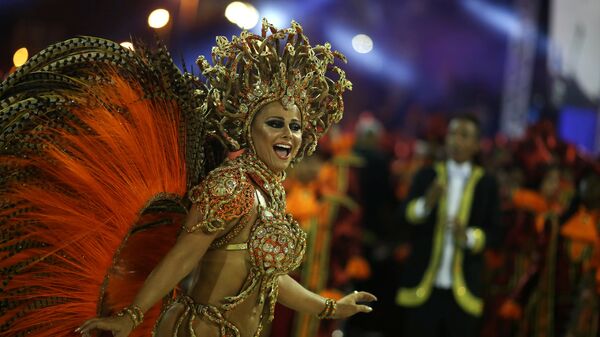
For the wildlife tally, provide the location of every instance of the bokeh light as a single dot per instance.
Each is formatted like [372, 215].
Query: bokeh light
[362, 43]
[397, 68]
[244, 15]
[20, 57]
[158, 18]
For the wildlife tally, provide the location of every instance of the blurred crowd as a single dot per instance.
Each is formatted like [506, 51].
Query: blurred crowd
[541, 275]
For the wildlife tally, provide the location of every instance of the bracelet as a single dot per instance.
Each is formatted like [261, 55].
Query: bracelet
[329, 310]
[135, 314]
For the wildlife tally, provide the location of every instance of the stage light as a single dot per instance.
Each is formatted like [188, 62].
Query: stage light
[388, 66]
[244, 15]
[20, 57]
[235, 11]
[362, 43]
[158, 18]
[127, 45]
[251, 18]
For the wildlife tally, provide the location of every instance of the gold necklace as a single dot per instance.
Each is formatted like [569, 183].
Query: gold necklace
[269, 181]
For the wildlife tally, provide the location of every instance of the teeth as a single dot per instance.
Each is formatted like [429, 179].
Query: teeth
[283, 147]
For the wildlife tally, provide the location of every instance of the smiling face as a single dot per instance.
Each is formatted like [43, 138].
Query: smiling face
[277, 135]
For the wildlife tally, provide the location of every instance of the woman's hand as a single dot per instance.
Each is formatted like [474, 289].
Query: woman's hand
[348, 306]
[120, 326]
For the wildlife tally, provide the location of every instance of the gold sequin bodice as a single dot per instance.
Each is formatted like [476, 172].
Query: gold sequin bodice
[275, 244]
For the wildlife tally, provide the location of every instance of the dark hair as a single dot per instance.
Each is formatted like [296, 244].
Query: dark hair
[471, 118]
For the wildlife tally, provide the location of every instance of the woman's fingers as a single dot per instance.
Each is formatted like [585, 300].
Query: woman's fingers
[363, 296]
[364, 308]
[86, 325]
[89, 327]
[96, 323]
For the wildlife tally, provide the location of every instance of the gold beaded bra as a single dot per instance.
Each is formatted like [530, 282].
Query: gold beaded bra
[276, 242]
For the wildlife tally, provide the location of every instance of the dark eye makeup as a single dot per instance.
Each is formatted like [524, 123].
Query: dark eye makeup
[295, 126]
[275, 123]
[280, 123]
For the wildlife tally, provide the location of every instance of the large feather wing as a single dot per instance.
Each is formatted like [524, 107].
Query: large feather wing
[98, 145]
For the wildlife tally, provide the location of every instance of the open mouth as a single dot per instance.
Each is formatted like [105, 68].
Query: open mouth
[283, 151]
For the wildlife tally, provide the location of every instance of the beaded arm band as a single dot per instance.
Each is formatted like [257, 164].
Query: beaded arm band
[134, 313]
[329, 310]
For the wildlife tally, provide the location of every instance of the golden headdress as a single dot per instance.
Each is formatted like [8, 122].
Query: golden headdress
[251, 71]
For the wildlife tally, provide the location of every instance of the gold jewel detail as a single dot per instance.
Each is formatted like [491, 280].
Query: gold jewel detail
[134, 313]
[329, 310]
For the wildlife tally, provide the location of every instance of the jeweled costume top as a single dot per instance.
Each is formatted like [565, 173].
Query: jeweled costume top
[275, 245]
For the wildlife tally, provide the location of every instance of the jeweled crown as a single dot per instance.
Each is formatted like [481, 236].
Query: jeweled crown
[252, 70]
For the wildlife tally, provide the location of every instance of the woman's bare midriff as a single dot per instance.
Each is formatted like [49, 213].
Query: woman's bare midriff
[220, 274]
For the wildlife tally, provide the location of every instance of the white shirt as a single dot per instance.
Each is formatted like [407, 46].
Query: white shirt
[458, 175]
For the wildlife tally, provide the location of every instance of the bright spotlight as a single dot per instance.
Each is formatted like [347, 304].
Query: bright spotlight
[158, 18]
[242, 14]
[396, 69]
[235, 11]
[251, 18]
[362, 43]
[20, 57]
[127, 45]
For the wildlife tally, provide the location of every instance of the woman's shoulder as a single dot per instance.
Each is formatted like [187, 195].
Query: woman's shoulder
[224, 195]
[228, 176]
[225, 181]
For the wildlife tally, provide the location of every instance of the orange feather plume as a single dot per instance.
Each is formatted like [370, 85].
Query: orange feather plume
[94, 182]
